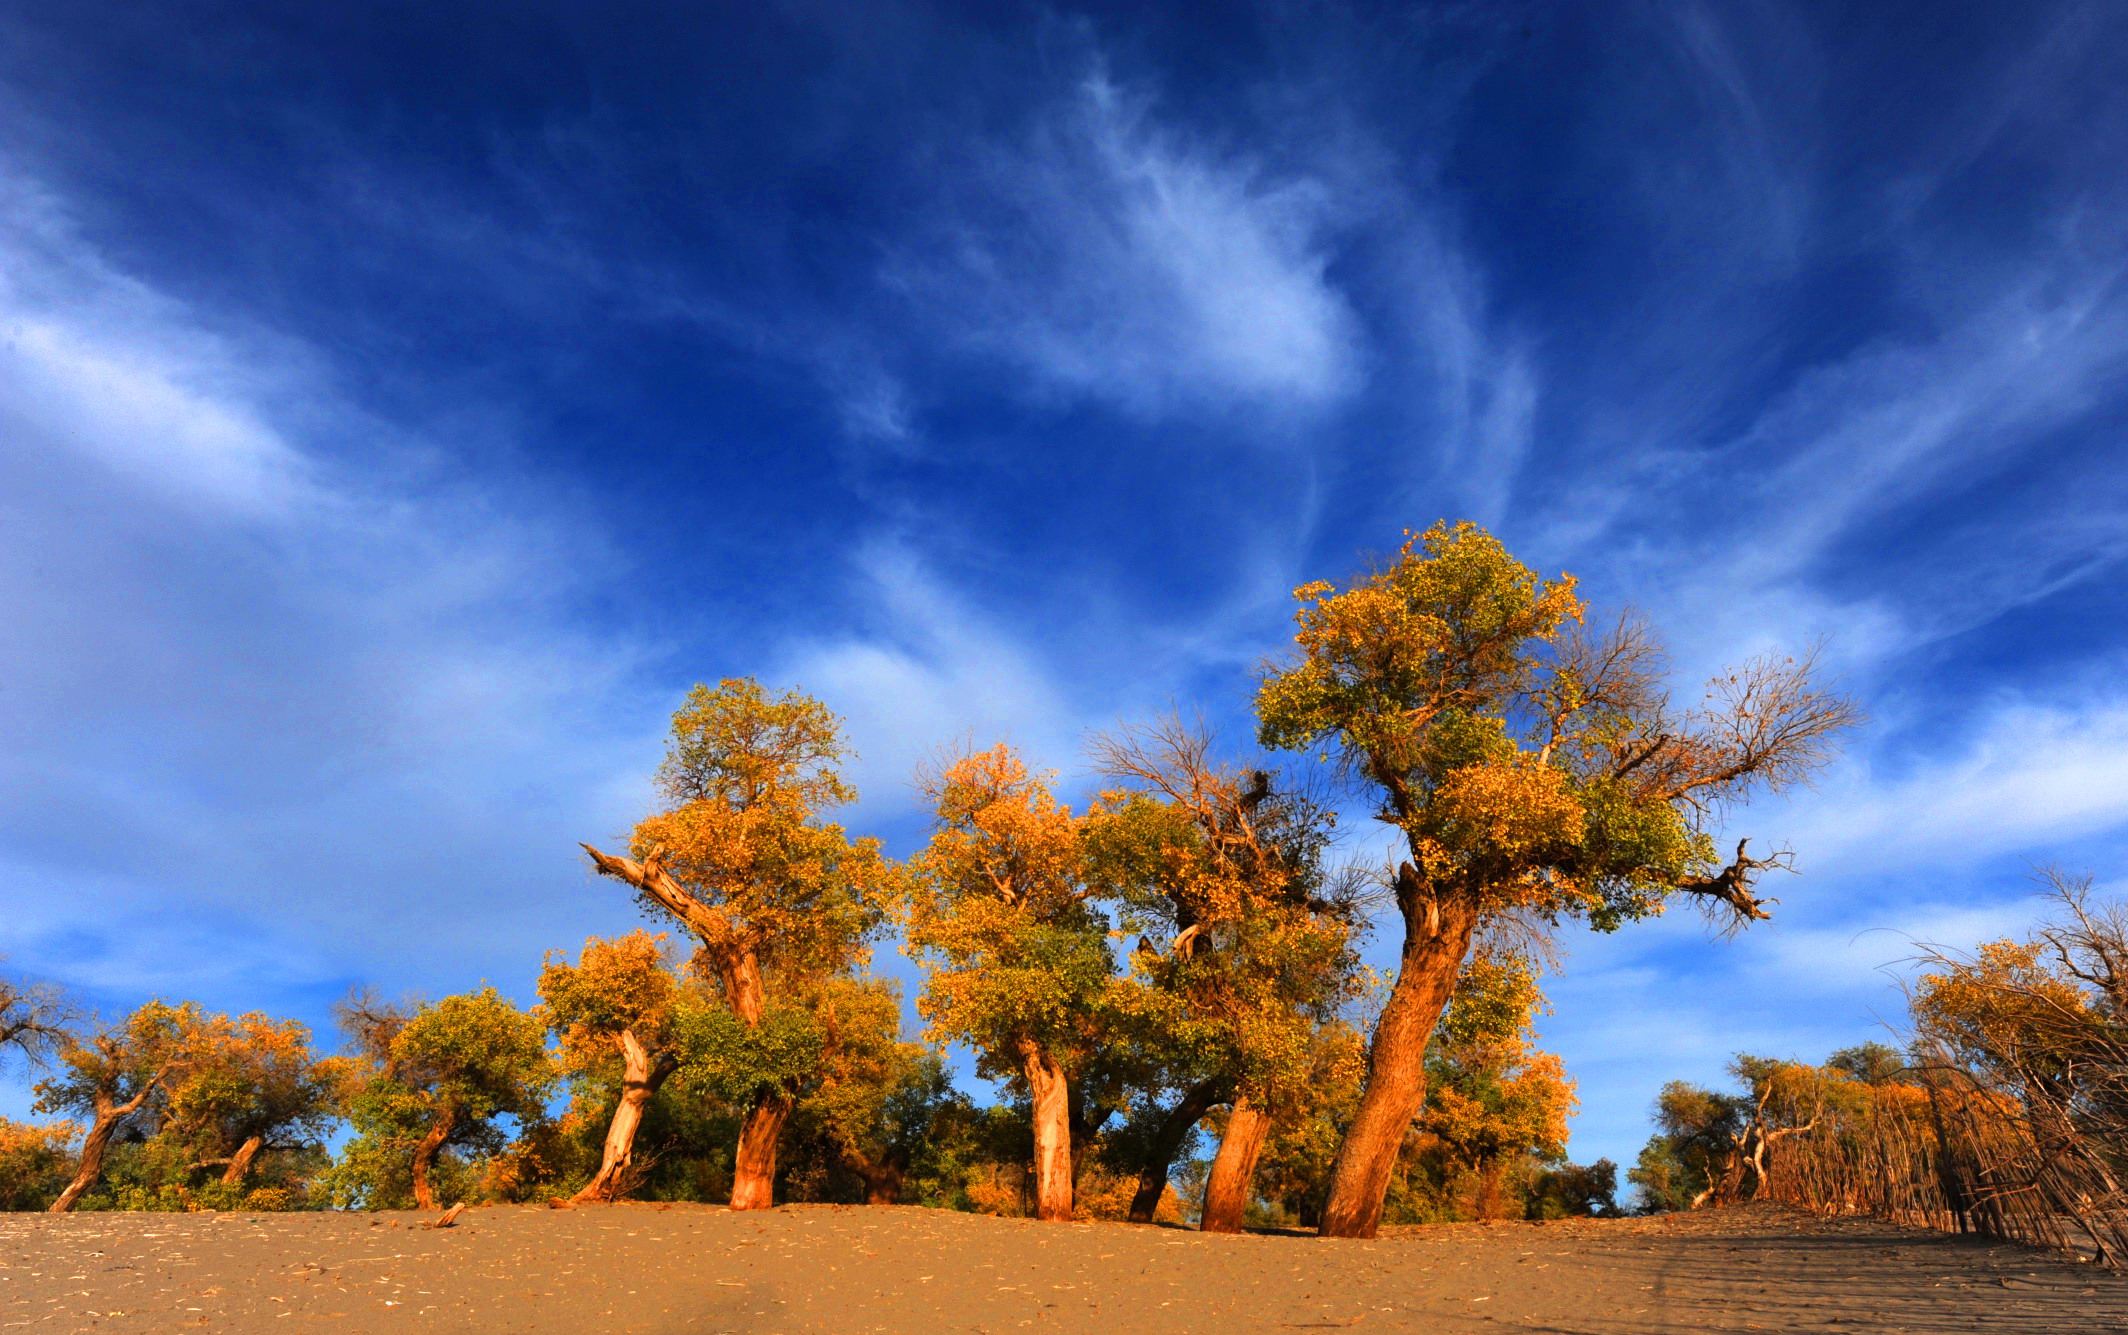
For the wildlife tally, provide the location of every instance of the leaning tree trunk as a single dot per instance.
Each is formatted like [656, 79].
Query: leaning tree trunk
[641, 1074]
[1227, 1190]
[240, 1162]
[93, 1146]
[727, 943]
[1198, 1100]
[425, 1156]
[1437, 935]
[1052, 1131]
[109, 1116]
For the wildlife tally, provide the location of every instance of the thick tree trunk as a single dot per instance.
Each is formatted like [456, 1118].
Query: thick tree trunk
[1227, 1190]
[641, 1074]
[754, 1171]
[754, 1167]
[1437, 936]
[1167, 1142]
[240, 1162]
[1052, 1132]
[90, 1167]
[425, 1157]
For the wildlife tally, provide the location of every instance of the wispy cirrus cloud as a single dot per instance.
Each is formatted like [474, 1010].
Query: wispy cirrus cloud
[1111, 256]
[254, 680]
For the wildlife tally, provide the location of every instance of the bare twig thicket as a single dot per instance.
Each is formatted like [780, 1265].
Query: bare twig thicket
[2013, 1123]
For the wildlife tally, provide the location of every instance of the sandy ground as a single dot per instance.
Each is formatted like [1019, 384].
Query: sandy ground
[700, 1270]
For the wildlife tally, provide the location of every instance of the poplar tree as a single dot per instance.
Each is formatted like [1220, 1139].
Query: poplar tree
[621, 1000]
[1534, 770]
[1245, 941]
[998, 909]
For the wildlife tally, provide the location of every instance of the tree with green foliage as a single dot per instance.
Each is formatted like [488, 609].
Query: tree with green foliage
[1683, 1162]
[441, 1075]
[876, 1098]
[1245, 942]
[1534, 770]
[776, 896]
[998, 911]
[119, 1077]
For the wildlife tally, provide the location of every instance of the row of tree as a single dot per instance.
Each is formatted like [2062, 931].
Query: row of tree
[1177, 954]
[2006, 1114]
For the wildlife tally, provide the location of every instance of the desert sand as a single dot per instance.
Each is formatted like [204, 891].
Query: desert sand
[695, 1270]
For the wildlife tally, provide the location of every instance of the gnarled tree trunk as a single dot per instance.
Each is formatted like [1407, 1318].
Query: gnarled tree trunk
[1437, 935]
[240, 1162]
[641, 1074]
[1052, 1131]
[425, 1156]
[1167, 1143]
[1227, 1190]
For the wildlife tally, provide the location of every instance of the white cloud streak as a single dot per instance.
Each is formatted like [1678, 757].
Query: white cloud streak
[1115, 259]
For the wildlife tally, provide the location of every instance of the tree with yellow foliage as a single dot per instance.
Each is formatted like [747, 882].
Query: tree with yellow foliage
[119, 1077]
[254, 1086]
[1534, 770]
[621, 999]
[740, 854]
[997, 907]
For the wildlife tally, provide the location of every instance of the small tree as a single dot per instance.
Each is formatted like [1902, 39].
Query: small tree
[119, 1077]
[741, 856]
[1017, 958]
[254, 1086]
[622, 999]
[441, 1074]
[1534, 771]
[36, 1162]
[1684, 1161]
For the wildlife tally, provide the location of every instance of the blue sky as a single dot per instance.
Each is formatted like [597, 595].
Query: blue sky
[400, 406]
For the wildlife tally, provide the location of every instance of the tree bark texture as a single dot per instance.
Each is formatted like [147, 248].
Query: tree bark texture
[641, 1074]
[1437, 934]
[1227, 1190]
[240, 1162]
[1052, 1132]
[425, 1157]
[754, 1170]
[1167, 1143]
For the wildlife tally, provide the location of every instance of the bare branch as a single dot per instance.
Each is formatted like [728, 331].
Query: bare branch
[1766, 724]
[1732, 885]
